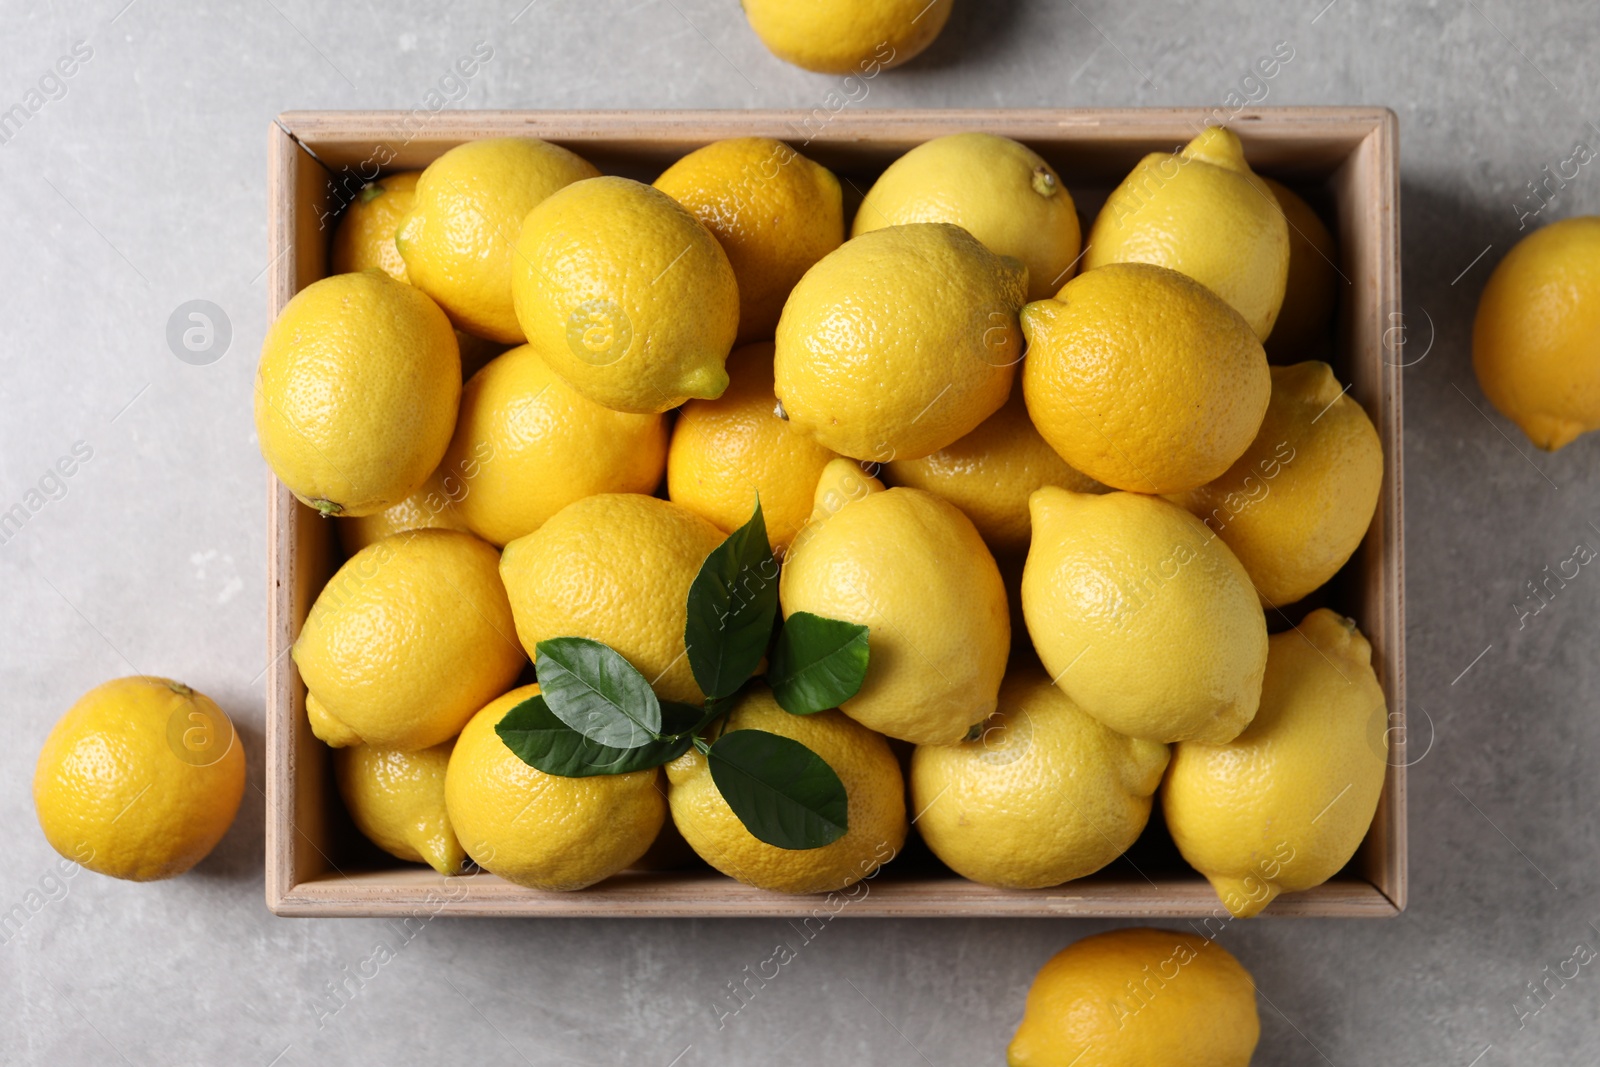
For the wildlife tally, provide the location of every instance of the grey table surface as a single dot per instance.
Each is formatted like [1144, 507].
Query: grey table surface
[139, 184]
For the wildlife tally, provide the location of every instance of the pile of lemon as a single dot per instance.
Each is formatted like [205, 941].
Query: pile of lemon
[964, 423]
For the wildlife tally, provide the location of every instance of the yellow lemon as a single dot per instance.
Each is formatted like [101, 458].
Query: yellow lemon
[725, 451]
[858, 37]
[541, 830]
[1137, 997]
[1000, 191]
[329, 730]
[626, 295]
[872, 782]
[1142, 379]
[1296, 505]
[364, 237]
[1536, 338]
[900, 342]
[615, 568]
[397, 800]
[459, 239]
[139, 779]
[1043, 795]
[1201, 211]
[913, 570]
[409, 638]
[1142, 616]
[432, 506]
[990, 473]
[1283, 806]
[533, 445]
[1305, 321]
[774, 212]
[356, 393]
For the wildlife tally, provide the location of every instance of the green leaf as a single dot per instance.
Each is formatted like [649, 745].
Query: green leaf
[534, 734]
[732, 605]
[592, 689]
[818, 663]
[784, 793]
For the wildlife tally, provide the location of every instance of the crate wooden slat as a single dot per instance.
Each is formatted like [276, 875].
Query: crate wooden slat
[1350, 155]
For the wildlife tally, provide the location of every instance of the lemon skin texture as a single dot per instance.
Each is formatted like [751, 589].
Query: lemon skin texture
[364, 237]
[139, 779]
[459, 238]
[541, 830]
[409, 638]
[774, 212]
[432, 506]
[1284, 806]
[397, 800]
[1044, 794]
[865, 765]
[626, 295]
[847, 36]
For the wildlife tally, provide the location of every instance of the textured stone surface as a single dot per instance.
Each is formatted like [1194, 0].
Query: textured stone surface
[143, 187]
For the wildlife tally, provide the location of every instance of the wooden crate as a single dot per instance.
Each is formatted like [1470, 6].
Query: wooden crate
[1345, 159]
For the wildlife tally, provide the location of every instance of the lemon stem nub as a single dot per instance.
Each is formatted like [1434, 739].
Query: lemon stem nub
[326, 508]
[1044, 183]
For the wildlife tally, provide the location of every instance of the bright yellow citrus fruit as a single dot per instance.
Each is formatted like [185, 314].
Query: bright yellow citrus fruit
[900, 342]
[1283, 806]
[1296, 505]
[1142, 379]
[865, 765]
[409, 638]
[1137, 997]
[356, 393]
[433, 506]
[1204, 212]
[1142, 616]
[397, 800]
[459, 238]
[139, 779]
[990, 473]
[859, 37]
[529, 445]
[615, 568]
[542, 830]
[725, 451]
[913, 570]
[774, 212]
[329, 730]
[626, 295]
[1536, 338]
[364, 237]
[1305, 321]
[1000, 191]
[1043, 795]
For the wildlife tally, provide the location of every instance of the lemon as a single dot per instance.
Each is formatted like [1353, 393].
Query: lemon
[615, 568]
[1536, 338]
[1142, 379]
[725, 451]
[626, 295]
[409, 638]
[397, 800]
[459, 239]
[529, 444]
[329, 730]
[774, 212]
[541, 830]
[1296, 505]
[1201, 211]
[1283, 806]
[356, 392]
[364, 237]
[990, 473]
[1305, 321]
[1142, 616]
[139, 779]
[1136, 997]
[872, 782]
[913, 570]
[1000, 191]
[1043, 795]
[432, 506]
[900, 342]
[858, 37]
